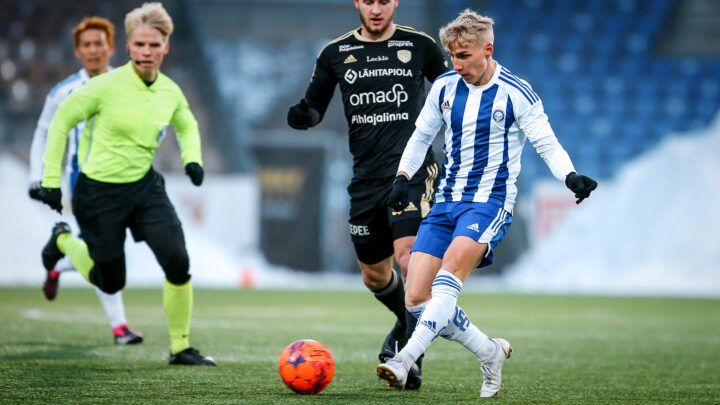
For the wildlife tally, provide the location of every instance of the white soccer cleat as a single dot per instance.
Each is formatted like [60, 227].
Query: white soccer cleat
[393, 371]
[492, 368]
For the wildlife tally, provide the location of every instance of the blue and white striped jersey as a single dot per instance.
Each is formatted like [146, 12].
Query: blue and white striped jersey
[56, 96]
[486, 128]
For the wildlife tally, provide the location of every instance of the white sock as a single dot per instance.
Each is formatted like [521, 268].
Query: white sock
[461, 330]
[417, 310]
[113, 306]
[434, 319]
[64, 264]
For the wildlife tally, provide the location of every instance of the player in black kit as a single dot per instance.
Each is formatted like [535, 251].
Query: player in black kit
[381, 69]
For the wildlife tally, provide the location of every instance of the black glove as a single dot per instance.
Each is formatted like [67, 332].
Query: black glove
[580, 185]
[398, 198]
[195, 172]
[301, 116]
[51, 197]
[34, 190]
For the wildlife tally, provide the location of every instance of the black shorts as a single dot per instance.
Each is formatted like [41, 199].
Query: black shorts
[371, 220]
[105, 210]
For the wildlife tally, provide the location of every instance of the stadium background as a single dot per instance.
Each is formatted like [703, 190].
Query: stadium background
[632, 89]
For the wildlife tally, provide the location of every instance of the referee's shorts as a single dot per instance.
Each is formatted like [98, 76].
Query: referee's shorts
[105, 210]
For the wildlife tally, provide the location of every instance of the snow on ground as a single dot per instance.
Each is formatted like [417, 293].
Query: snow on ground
[653, 230]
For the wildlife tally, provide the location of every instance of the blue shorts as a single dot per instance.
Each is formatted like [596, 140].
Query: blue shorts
[483, 222]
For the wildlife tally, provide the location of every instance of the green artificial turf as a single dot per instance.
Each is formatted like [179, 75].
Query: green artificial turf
[568, 349]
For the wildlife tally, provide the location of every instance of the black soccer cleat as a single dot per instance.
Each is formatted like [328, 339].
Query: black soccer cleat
[51, 253]
[394, 341]
[191, 357]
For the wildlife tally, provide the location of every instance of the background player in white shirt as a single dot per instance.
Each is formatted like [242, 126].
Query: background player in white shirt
[489, 113]
[93, 47]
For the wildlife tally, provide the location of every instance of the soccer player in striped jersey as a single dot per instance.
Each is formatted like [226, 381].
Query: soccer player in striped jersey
[380, 69]
[94, 45]
[489, 112]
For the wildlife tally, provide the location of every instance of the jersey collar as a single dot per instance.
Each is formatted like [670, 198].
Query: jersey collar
[138, 81]
[85, 76]
[385, 38]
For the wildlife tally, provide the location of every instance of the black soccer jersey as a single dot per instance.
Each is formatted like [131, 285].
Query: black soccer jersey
[383, 90]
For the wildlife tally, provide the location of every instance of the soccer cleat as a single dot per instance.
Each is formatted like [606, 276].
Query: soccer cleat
[393, 371]
[394, 341]
[414, 378]
[51, 253]
[191, 357]
[492, 368]
[125, 336]
[50, 286]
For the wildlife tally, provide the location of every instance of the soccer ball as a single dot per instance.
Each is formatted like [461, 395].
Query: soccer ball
[306, 366]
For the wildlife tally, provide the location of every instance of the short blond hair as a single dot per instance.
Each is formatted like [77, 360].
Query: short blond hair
[468, 28]
[151, 14]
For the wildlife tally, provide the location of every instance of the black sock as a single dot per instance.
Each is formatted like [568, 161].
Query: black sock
[410, 322]
[393, 296]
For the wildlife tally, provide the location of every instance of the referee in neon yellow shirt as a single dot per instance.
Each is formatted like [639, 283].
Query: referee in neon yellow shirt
[126, 111]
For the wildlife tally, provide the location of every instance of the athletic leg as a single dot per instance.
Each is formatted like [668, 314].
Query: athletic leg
[155, 222]
[457, 264]
[168, 245]
[112, 280]
[440, 314]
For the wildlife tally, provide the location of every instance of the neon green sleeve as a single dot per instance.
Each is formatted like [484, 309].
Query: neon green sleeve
[79, 106]
[188, 134]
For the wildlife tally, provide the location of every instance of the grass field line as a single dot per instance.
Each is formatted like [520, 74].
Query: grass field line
[255, 325]
[332, 328]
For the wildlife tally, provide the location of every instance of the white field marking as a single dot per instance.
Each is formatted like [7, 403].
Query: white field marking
[271, 312]
[605, 336]
[339, 355]
[240, 324]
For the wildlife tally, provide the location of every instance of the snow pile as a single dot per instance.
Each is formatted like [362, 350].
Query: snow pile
[655, 229]
[221, 235]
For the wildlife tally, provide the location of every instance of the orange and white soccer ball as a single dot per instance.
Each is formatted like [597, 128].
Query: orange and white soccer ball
[306, 366]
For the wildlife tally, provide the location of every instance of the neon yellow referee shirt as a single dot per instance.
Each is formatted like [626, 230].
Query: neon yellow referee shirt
[125, 119]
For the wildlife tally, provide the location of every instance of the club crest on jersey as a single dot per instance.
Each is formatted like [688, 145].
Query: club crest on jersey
[404, 55]
[498, 114]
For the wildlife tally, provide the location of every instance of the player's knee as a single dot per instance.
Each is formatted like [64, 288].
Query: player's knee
[112, 288]
[377, 276]
[169, 248]
[415, 298]
[373, 282]
[109, 277]
[403, 259]
[177, 268]
[402, 256]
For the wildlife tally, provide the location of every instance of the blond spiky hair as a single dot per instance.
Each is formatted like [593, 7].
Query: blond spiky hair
[468, 28]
